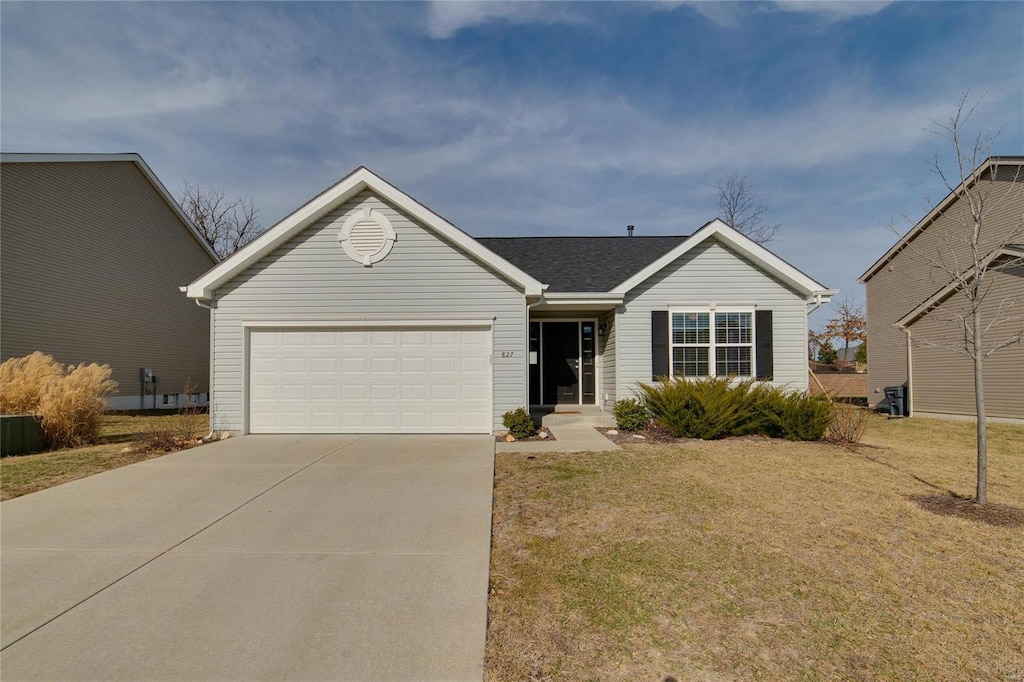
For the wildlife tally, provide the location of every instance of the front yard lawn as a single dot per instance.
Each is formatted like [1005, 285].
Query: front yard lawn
[760, 559]
[20, 475]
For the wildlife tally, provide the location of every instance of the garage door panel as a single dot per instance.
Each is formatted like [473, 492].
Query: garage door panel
[364, 381]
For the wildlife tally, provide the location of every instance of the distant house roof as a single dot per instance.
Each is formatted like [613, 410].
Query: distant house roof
[582, 264]
[992, 162]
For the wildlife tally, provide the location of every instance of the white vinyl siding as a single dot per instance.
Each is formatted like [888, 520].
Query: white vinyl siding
[310, 278]
[711, 274]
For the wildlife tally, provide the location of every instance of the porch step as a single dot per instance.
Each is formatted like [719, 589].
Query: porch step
[587, 415]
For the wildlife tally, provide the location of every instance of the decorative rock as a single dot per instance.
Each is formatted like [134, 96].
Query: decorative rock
[543, 434]
[612, 432]
[510, 438]
[502, 434]
[639, 437]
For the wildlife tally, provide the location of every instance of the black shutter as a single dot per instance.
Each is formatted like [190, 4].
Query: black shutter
[659, 343]
[763, 344]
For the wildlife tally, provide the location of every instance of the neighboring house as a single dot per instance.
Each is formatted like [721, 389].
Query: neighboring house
[365, 311]
[94, 251]
[912, 306]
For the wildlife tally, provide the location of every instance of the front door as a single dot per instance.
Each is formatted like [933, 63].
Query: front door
[561, 363]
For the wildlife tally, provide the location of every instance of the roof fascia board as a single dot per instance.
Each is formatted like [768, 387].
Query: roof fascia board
[940, 208]
[346, 188]
[139, 162]
[935, 299]
[760, 255]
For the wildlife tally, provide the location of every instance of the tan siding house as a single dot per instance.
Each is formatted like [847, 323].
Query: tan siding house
[903, 331]
[94, 251]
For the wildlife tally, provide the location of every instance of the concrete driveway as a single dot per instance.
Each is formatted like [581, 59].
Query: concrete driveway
[262, 557]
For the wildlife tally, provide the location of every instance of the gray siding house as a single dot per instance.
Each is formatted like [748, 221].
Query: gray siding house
[913, 309]
[93, 252]
[365, 311]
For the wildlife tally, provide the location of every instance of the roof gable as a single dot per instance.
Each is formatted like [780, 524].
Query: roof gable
[991, 164]
[757, 254]
[147, 172]
[359, 180]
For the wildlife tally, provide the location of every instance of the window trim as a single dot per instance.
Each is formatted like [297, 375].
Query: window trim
[712, 344]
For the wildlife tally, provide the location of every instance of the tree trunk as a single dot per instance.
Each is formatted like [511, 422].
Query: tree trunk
[979, 402]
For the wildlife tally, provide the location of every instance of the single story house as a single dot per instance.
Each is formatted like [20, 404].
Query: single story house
[92, 250]
[365, 311]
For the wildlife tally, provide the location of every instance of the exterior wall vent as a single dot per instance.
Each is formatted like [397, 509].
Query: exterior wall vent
[367, 236]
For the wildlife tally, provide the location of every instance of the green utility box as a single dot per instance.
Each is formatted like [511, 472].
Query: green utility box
[20, 434]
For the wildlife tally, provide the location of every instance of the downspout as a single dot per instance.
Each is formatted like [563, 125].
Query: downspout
[910, 372]
[209, 394]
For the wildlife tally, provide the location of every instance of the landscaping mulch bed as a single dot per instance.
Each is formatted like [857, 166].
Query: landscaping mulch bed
[952, 504]
[500, 438]
[650, 434]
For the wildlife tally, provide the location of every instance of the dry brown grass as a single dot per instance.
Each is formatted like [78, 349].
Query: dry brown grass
[26, 474]
[758, 559]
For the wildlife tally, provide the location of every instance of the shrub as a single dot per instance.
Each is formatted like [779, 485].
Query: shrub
[714, 408]
[23, 381]
[796, 416]
[848, 424]
[71, 408]
[631, 415]
[706, 408]
[519, 423]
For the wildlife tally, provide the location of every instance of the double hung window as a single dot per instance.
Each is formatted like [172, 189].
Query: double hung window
[711, 343]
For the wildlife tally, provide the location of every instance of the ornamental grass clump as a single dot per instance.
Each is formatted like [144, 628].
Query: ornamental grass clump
[23, 381]
[69, 401]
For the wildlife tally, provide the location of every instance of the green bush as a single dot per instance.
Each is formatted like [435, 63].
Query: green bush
[861, 356]
[706, 408]
[713, 408]
[796, 416]
[519, 423]
[631, 415]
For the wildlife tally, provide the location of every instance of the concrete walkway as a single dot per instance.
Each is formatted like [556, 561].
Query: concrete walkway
[263, 557]
[568, 438]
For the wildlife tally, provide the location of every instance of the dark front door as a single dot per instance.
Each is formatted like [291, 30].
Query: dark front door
[561, 363]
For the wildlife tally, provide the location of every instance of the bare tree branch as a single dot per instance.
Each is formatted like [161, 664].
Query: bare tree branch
[743, 210]
[228, 225]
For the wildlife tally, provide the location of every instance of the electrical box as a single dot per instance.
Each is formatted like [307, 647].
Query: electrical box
[147, 375]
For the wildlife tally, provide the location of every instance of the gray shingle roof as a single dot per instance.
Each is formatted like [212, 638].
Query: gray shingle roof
[581, 263]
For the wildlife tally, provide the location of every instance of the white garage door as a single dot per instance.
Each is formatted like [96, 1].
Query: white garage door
[370, 380]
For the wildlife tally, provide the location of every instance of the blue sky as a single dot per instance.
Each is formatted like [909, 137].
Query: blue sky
[526, 119]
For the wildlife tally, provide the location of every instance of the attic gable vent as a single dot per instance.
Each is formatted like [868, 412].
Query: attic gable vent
[367, 236]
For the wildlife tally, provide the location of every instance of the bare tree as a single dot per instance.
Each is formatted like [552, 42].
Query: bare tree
[743, 210]
[969, 257]
[228, 224]
[850, 324]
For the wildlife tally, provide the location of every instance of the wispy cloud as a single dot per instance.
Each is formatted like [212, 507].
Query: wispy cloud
[445, 18]
[576, 132]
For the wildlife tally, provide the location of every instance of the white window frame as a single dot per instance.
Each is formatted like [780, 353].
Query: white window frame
[712, 344]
